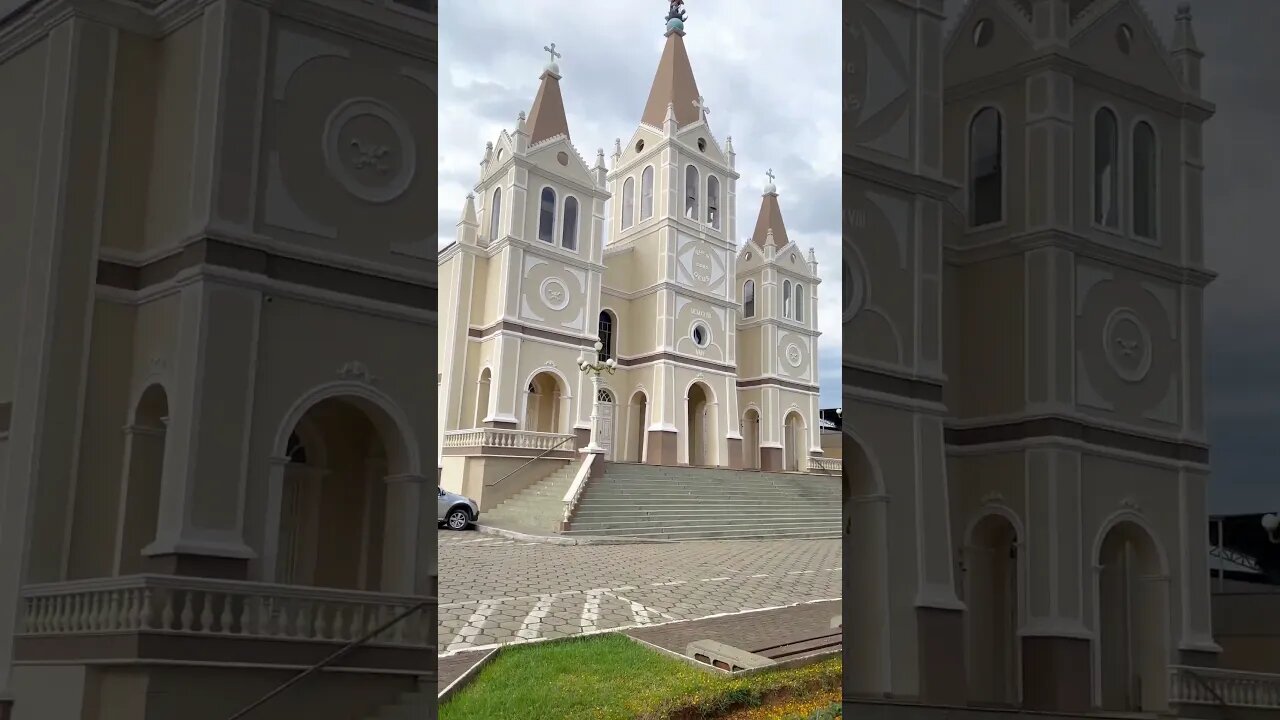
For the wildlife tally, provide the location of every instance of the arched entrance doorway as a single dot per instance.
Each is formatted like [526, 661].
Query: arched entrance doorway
[143, 472]
[699, 425]
[793, 445]
[991, 594]
[544, 397]
[639, 416]
[606, 410]
[751, 439]
[1133, 627]
[333, 499]
[865, 576]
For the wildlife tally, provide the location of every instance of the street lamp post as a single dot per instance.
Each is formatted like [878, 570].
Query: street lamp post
[594, 368]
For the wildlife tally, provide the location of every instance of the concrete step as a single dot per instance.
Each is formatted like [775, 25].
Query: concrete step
[685, 511]
[720, 533]
[694, 503]
[591, 527]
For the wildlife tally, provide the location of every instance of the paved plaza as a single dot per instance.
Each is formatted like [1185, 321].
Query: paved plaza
[496, 590]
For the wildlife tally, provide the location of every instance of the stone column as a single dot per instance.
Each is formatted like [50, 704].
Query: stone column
[62, 243]
[139, 504]
[401, 539]
[593, 444]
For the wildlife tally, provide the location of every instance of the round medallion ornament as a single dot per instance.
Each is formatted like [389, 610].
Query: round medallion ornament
[794, 355]
[554, 294]
[369, 150]
[1127, 345]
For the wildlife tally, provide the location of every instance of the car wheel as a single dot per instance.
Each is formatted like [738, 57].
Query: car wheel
[458, 519]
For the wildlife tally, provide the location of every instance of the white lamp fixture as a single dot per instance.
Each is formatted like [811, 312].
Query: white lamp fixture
[1271, 523]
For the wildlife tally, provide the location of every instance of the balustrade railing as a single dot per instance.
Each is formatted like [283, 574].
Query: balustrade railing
[514, 439]
[1218, 686]
[825, 465]
[202, 606]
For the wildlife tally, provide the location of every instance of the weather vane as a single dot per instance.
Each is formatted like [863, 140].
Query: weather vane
[677, 11]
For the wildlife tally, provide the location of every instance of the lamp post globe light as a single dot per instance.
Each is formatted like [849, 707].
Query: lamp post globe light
[594, 368]
[1271, 523]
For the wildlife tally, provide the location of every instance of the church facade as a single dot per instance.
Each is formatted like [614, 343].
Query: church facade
[713, 340]
[1026, 458]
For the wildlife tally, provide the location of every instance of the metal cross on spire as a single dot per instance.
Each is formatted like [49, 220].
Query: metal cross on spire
[552, 49]
[770, 174]
[703, 110]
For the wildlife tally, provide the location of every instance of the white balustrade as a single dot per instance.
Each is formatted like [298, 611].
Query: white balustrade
[824, 465]
[212, 607]
[1217, 686]
[514, 439]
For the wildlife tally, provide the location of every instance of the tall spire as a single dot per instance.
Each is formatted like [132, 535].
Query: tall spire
[547, 118]
[673, 83]
[770, 230]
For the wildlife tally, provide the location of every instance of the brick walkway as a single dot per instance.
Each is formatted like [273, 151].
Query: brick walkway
[452, 667]
[495, 591]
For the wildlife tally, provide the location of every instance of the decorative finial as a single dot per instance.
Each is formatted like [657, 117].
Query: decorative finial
[551, 64]
[703, 110]
[769, 173]
[617, 146]
[600, 157]
[770, 189]
[676, 16]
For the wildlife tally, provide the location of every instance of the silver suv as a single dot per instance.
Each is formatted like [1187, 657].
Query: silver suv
[455, 511]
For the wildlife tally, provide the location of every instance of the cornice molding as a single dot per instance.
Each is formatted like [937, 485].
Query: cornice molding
[158, 18]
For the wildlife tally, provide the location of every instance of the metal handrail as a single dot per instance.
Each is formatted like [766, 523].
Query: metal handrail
[532, 459]
[336, 656]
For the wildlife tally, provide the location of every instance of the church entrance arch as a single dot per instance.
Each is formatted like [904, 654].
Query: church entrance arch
[992, 588]
[639, 417]
[1132, 601]
[544, 400]
[793, 445]
[866, 576]
[751, 438]
[342, 458]
[700, 426]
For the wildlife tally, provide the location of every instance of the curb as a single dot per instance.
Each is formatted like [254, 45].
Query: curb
[560, 540]
[466, 677]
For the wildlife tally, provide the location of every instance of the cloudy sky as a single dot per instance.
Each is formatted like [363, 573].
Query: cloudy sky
[771, 79]
[1241, 72]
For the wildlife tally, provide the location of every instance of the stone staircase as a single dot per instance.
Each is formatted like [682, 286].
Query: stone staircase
[538, 509]
[676, 503]
[411, 705]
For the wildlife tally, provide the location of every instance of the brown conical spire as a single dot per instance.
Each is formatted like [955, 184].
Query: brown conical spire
[547, 118]
[770, 230]
[673, 84]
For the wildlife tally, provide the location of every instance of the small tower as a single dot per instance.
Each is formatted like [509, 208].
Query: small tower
[778, 342]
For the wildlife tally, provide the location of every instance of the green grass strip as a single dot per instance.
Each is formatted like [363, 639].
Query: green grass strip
[608, 677]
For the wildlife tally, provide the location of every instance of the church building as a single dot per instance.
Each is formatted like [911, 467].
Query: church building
[1026, 454]
[635, 260]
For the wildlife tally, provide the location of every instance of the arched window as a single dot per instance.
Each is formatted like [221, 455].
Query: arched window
[799, 302]
[1144, 181]
[986, 168]
[646, 193]
[605, 333]
[495, 214]
[713, 201]
[749, 299]
[547, 216]
[569, 233]
[628, 203]
[786, 298]
[1106, 156]
[691, 192]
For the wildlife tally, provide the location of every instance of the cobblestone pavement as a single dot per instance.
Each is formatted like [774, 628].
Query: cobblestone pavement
[498, 590]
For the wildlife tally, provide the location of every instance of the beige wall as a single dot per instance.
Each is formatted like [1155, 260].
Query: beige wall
[21, 76]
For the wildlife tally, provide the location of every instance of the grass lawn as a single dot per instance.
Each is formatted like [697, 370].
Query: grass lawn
[608, 677]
